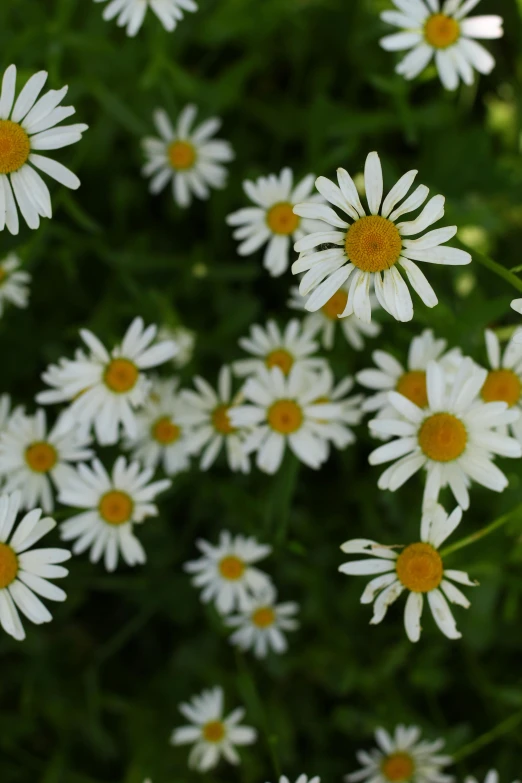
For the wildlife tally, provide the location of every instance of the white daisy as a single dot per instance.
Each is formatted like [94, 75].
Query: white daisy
[104, 388]
[185, 340]
[14, 283]
[26, 128]
[191, 159]
[112, 506]
[131, 13]
[24, 571]
[431, 29]
[226, 572]
[373, 244]
[212, 735]
[491, 777]
[402, 758]
[208, 415]
[275, 347]
[350, 410]
[504, 380]
[272, 221]
[453, 438]
[300, 779]
[33, 460]
[262, 624]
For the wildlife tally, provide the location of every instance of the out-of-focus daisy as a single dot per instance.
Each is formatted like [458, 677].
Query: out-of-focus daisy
[226, 572]
[402, 757]
[32, 460]
[104, 388]
[212, 735]
[28, 126]
[491, 777]
[14, 282]
[111, 505]
[131, 13]
[272, 220]
[300, 779]
[25, 572]
[185, 340]
[453, 438]
[444, 33]
[339, 431]
[262, 624]
[504, 380]
[368, 246]
[275, 347]
[208, 415]
[188, 158]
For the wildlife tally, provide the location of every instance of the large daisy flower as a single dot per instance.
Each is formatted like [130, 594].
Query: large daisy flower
[491, 777]
[504, 380]
[453, 438]
[373, 250]
[445, 33]
[274, 347]
[28, 126]
[131, 13]
[190, 159]
[14, 283]
[262, 624]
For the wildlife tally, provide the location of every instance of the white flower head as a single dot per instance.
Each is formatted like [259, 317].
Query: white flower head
[131, 13]
[28, 126]
[431, 29]
[25, 572]
[491, 777]
[402, 756]
[301, 779]
[14, 283]
[272, 220]
[105, 388]
[111, 506]
[350, 412]
[373, 250]
[504, 380]
[185, 340]
[212, 735]
[262, 624]
[227, 573]
[454, 438]
[191, 159]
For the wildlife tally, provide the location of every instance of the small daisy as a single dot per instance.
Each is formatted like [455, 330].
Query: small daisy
[26, 128]
[453, 438]
[504, 380]
[24, 571]
[112, 506]
[208, 415]
[300, 779]
[445, 34]
[402, 758]
[32, 460]
[324, 321]
[185, 340]
[350, 412]
[373, 244]
[274, 347]
[262, 624]
[272, 221]
[14, 283]
[491, 777]
[227, 573]
[191, 159]
[212, 734]
[106, 388]
[131, 13]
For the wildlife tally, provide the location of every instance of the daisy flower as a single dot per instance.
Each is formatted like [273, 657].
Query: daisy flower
[14, 283]
[111, 505]
[208, 416]
[504, 380]
[131, 13]
[324, 321]
[262, 624]
[275, 347]
[185, 340]
[402, 757]
[350, 410]
[272, 221]
[104, 388]
[491, 777]
[368, 246]
[226, 572]
[300, 779]
[33, 460]
[212, 735]
[431, 30]
[25, 572]
[453, 438]
[191, 159]
[28, 126]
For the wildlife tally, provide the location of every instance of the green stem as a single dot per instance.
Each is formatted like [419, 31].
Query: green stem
[490, 736]
[485, 531]
[499, 270]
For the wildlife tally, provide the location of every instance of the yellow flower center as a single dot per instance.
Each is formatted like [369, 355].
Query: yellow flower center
[285, 416]
[41, 457]
[502, 386]
[8, 565]
[14, 146]
[443, 437]
[214, 731]
[263, 617]
[335, 305]
[413, 386]
[419, 568]
[182, 155]
[165, 431]
[281, 219]
[373, 243]
[441, 31]
[398, 767]
[121, 375]
[280, 358]
[221, 420]
[116, 507]
[231, 567]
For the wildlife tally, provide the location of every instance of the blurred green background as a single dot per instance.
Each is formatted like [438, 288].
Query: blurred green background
[93, 697]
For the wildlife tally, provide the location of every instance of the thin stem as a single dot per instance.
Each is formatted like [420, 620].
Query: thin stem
[499, 270]
[491, 735]
[485, 531]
